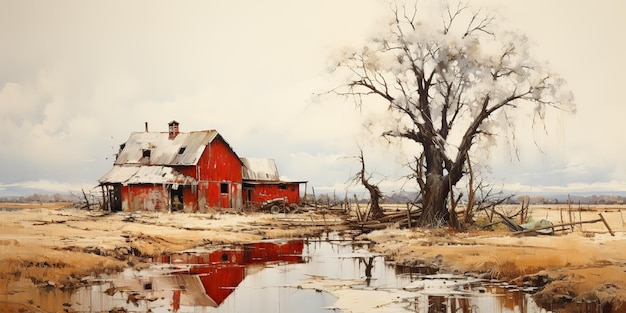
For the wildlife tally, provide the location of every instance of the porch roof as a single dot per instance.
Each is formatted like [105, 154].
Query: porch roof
[128, 175]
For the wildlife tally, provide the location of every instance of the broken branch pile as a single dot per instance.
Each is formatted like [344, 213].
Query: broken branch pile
[401, 219]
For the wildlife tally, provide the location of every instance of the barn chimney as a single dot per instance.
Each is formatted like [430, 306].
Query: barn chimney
[146, 127]
[173, 127]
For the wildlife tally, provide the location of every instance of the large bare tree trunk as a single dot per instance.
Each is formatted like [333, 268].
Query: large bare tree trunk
[434, 212]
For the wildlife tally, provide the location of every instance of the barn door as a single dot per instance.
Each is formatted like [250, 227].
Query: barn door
[176, 197]
[225, 195]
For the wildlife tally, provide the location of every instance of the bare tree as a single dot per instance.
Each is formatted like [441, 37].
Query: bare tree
[448, 87]
[375, 194]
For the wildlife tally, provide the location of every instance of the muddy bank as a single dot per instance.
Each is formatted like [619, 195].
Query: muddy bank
[586, 266]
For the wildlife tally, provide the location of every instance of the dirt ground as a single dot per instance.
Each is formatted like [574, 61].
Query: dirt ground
[55, 247]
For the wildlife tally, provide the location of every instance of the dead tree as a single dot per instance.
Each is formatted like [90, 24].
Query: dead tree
[445, 93]
[375, 193]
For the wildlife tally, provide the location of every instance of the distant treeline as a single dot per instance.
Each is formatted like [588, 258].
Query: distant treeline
[574, 199]
[36, 197]
[404, 197]
[534, 199]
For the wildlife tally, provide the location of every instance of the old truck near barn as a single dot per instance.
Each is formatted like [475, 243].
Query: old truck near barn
[190, 172]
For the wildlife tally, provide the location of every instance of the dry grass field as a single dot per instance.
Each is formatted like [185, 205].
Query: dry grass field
[55, 246]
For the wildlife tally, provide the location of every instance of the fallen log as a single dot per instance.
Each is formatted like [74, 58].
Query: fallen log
[303, 223]
[402, 222]
[373, 225]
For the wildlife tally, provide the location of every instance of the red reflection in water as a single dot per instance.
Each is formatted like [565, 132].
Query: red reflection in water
[221, 271]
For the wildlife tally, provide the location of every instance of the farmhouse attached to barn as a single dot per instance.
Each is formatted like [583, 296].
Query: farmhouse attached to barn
[191, 172]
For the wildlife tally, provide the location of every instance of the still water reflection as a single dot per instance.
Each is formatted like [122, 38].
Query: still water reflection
[265, 276]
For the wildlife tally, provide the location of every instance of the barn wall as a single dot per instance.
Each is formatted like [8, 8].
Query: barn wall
[214, 197]
[262, 193]
[145, 198]
[190, 198]
[203, 196]
[124, 191]
[219, 165]
[187, 170]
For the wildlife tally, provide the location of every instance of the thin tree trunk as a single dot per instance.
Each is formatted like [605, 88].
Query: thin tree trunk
[375, 194]
[454, 218]
[469, 211]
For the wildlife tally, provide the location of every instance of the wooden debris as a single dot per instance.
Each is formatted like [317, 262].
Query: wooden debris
[601, 219]
[606, 224]
[510, 224]
[402, 219]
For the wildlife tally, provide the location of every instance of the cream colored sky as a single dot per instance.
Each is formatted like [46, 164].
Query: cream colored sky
[77, 77]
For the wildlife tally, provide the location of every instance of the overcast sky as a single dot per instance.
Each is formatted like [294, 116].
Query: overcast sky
[77, 77]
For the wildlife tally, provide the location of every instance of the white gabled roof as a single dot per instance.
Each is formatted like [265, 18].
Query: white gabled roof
[259, 169]
[145, 175]
[185, 149]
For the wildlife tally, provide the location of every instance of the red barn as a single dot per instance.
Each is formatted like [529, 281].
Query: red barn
[262, 184]
[170, 171]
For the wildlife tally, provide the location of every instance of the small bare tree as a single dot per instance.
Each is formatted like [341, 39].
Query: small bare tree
[375, 194]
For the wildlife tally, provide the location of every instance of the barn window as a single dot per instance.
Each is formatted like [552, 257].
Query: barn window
[146, 153]
[181, 150]
[282, 187]
[224, 187]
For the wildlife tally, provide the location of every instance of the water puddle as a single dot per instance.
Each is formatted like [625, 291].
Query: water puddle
[267, 277]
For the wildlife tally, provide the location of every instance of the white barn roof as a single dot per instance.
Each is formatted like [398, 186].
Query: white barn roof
[185, 149]
[259, 169]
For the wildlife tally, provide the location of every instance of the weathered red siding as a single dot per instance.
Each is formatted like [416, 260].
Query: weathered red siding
[145, 198]
[264, 192]
[218, 162]
[219, 165]
[187, 170]
[155, 198]
[190, 198]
